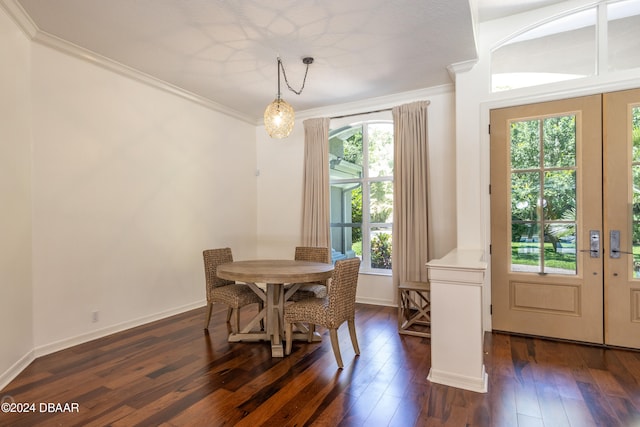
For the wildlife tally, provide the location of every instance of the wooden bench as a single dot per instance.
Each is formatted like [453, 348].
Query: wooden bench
[414, 309]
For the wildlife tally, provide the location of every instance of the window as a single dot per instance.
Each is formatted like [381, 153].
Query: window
[361, 188]
[623, 28]
[543, 195]
[562, 49]
[594, 41]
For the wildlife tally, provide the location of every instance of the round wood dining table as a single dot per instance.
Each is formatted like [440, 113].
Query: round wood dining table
[275, 273]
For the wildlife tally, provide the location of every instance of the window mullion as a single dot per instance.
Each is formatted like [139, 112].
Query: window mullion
[602, 53]
[366, 217]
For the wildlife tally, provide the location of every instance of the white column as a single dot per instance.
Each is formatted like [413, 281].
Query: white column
[456, 320]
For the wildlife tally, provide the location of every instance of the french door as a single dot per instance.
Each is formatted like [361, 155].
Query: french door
[565, 219]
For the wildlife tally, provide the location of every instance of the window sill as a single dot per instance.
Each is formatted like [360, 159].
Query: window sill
[374, 273]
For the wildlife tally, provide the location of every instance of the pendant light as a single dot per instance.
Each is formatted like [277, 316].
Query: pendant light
[279, 116]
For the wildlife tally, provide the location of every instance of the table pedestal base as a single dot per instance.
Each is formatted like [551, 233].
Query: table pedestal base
[277, 350]
[273, 314]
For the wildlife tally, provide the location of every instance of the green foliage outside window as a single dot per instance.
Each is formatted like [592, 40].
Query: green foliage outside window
[381, 251]
[353, 148]
[356, 216]
[365, 179]
[543, 186]
[636, 176]
[555, 201]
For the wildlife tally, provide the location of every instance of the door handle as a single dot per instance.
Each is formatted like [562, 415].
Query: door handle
[614, 245]
[594, 244]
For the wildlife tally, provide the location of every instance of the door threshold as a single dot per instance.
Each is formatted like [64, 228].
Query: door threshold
[565, 340]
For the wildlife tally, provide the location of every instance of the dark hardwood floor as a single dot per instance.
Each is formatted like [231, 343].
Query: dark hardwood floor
[172, 373]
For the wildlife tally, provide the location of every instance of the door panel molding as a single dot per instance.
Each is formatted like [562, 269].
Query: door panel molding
[621, 288]
[546, 298]
[566, 306]
[601, 302]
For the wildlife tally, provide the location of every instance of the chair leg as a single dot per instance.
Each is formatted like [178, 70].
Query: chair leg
[260, 307]
[207, 319]
[237, 320]
[333, 333]
[352, 333]
[229, 312]
[288, 337]
[312, 329]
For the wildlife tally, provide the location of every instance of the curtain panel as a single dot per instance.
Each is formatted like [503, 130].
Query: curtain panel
[316, 229]
[410, 193]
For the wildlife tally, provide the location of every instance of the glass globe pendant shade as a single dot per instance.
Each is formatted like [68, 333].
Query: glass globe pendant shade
[279, 118]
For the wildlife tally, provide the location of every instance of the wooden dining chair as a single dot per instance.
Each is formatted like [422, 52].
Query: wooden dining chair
[331, 311]
[314, 289]
[234, 295]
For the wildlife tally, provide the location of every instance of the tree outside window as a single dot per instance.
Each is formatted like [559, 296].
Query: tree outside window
[361, 174]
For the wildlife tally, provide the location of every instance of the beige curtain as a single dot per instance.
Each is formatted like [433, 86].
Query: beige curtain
[410, 193]
[315, 199]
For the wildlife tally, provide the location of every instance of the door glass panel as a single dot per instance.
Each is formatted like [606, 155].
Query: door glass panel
[560, 141]
[636, 246]
[525, 144]
[635, 171]
[525, 247]
[525, 191]
[543, 195]
[560, 248]
[560, 195]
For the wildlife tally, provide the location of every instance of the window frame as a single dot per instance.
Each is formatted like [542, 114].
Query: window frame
[366, 181]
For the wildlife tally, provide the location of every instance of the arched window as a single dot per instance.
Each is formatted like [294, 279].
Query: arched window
[587, 42]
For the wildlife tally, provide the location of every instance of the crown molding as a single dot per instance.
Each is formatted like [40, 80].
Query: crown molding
[460, 67]
[31, 30]
[381, 102]
[17, 13]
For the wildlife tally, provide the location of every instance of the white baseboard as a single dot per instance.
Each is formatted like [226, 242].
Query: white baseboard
[376, 301]
[89, 336]
[9, 375]
[479, 385]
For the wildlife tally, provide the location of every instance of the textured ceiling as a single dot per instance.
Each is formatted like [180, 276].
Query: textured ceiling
[226, 50]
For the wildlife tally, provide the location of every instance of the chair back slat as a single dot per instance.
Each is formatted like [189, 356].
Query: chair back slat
[312, 253]
[342, 290]
[212, 259]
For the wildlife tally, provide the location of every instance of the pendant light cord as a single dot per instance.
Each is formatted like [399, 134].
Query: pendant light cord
[307, 61]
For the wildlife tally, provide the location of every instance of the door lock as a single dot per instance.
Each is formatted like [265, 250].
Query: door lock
[614, 245]
[594, 244]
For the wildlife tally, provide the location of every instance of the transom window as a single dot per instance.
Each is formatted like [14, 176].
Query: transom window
[589, 42]
[361, 187]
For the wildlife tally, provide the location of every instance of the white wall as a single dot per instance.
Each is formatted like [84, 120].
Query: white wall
[130, 184]
[280, 168]
[16, 331]
[280, 164]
